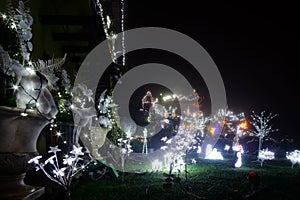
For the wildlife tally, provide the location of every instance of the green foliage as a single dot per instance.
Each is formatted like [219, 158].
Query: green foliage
[9, 40]
[10, 43]
[210, 179]
[116, 133]
[137, 145]
[62, 98]
[171, 178]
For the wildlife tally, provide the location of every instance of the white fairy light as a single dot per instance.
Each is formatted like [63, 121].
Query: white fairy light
[294, 157]
[164, 139]
[72, 106]
[166, 98]
[199, 149]
[13, 25]
[227, 147]
[262, 128]
[169, 141]
[4, 16]
[194, 161]
[164, 148]
[23, 114]
[145, 144]
[123, 33]
[265, 154]
[110, 36]
[58, 134]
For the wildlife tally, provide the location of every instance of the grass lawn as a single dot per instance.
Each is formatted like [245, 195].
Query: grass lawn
[209, 179]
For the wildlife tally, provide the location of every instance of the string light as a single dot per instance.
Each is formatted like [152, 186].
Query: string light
[3, 16]
[265, 154]
[106, 23]
[15, 87]
[123, 31]
[294, 157]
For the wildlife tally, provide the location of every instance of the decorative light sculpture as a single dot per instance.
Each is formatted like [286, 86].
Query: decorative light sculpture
[265, 154]
[262, 128]
[63, 171]
[214, 155]
[239, 162]
[294, 157]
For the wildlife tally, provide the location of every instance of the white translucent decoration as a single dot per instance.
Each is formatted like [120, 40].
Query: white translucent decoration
[145, 144]
[94, 139]
[194, 161]
[265, 154]
[157, 165]
[214, 155]
[208, 150]
[294, 157]
[199, 149]
[239, 162]
[33, 94]
[227, 147]
[128, 126]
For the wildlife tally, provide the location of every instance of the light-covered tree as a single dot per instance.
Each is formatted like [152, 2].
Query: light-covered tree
[262, 127]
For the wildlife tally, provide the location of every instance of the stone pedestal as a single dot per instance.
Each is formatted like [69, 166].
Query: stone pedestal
[18, 138]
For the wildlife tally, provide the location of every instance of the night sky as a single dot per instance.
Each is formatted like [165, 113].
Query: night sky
[254, 45]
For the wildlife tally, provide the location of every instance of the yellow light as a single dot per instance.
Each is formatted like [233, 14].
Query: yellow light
[212, 130]
[244, 125]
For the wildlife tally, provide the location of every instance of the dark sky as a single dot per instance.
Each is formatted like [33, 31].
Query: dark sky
[254, 45]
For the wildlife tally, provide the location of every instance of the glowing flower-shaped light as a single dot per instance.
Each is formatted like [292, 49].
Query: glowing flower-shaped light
[69, 160]
[60, 172]
[77, 151]
[35, 160]
[50, 160]
[54, 150]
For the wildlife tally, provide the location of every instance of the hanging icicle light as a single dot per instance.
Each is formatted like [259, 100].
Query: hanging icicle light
[123, 33]
[110, 35]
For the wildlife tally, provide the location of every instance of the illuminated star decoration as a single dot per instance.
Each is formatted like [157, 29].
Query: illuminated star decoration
[54, 150]
[77, 151]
